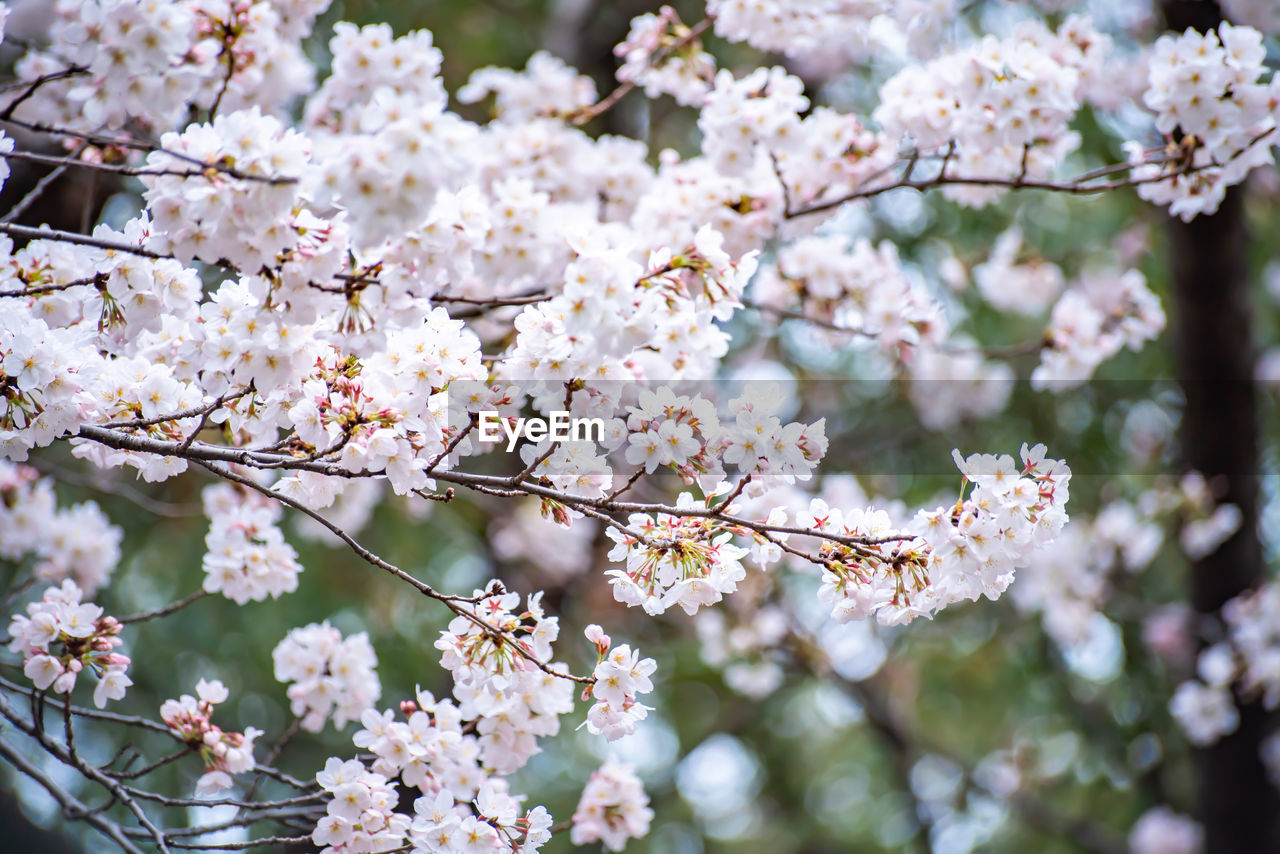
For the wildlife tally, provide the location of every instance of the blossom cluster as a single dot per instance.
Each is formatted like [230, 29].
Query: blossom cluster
[999, 109]
[852, 285]
[332, 677]
[1244, 662]
[241, 211]
[833, 31]
[613, 808]
[462, 801]
[247, 558]
[61, 636]
[1025, 285]
[1160, 830]
[547, 85]
[674, 560]
[952, 553]
[757, 126]
[75, 354]
[1218, 116]
[361, 814]
[688, 434]
[491, 823]
[619, 675]
[224, 753]
[1098, 316]
[76, 542]
[619, 319]
[499, 657]
[462, 805]
[660, 54]
[148, 61]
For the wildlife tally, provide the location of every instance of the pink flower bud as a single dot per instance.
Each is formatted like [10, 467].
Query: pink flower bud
[596, 635]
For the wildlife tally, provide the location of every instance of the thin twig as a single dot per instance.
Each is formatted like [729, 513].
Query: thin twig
[96, 280]
[421, 586]
[38, 190]
[586, 114]
[140, 171]
[172, 607]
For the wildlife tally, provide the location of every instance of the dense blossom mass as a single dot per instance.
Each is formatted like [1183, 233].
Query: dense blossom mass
[331, 677]
[309, 310]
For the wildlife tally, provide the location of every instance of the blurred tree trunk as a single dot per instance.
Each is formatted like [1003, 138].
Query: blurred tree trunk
[20, 834]
[1215, 363]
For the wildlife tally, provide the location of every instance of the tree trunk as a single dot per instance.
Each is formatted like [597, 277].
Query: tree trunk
[1215, 362]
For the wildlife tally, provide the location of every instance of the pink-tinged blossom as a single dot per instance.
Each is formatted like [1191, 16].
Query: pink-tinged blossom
[78, 542]
[361, 812]
[1095, 319]
[1000, 108]
[224, 753]
[217, 216]
[651, 58]
[1216, 115]
[331, 677]
[965, 551]
[613, 808]
[514, 701]
[247, 557]
[619, 677]
[61, 637]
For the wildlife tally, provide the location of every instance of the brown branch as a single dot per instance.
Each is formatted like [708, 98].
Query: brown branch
[585, 114]
[422, 587]
[118, 790]
[29, 233]
[64, 162]
[165, 611]
[141, 145]
[245, 845]
[96, 280]
[1080, 185]
[33, 86]
[491, 484]
[789, 314]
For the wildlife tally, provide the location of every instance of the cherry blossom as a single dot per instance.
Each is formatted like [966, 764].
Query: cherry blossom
[331, 676]
[613, 808]
[76, 542]
[248, 558]
[224, 753]
[62, 636]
